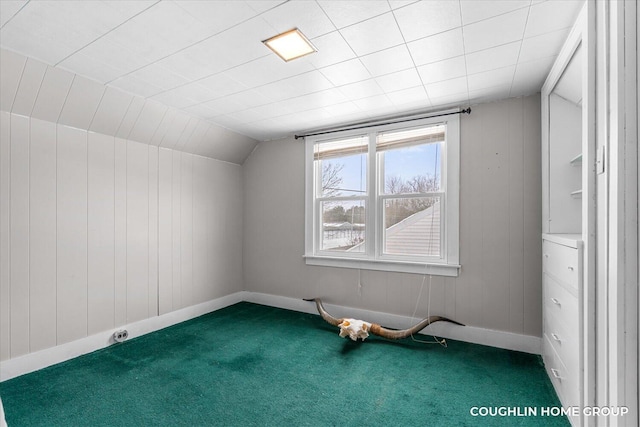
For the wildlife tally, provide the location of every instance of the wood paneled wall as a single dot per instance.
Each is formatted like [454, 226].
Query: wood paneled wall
[499, 286]
[98, 231]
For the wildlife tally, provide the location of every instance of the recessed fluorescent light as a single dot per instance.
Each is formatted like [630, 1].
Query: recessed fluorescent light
[290, 45]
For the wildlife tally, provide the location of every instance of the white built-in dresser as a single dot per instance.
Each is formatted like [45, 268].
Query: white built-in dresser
[562, 332]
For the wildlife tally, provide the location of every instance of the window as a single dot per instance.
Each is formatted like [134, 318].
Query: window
[385, 197]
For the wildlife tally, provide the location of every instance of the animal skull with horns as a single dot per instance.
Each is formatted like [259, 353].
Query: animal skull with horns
[360, 329]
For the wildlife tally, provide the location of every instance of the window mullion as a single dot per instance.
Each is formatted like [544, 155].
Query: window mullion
[372, 198]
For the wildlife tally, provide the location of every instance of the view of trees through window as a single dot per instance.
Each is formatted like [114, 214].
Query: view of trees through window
[400, 209]
[344, 220]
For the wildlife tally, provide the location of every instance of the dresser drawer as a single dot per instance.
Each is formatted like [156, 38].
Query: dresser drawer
[566, 382]
[561, 262]
[560, 303]
[565, 340]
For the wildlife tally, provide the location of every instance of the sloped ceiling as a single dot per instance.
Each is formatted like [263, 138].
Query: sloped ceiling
[375, 58]
[31, 88]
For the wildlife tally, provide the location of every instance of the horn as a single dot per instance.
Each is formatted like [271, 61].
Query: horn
[326, 316]
[378, 330]
[393, 334]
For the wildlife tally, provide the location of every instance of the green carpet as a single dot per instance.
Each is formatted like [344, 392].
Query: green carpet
[254, 365]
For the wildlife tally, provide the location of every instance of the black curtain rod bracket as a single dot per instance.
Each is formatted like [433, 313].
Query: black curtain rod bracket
[391, 122]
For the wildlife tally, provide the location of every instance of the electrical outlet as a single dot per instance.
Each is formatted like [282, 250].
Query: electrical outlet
[119, 336]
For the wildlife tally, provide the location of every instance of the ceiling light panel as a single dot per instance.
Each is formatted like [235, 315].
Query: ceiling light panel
[290, 45]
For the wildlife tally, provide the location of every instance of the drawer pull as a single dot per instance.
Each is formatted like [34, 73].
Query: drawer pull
[570, 268]
[556, 337]
[555, 301]
[546, 255]
[556, 373]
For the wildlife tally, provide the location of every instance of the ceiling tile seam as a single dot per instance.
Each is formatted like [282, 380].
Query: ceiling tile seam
[404, 5]
[425, 37]
[15, 14]
[464, 54]
[273, 102]
[124, 116]
[195, 141]
[191, 45]
[237, 132]
[341, 36]
[66, 97]
[267, 10]
[494, 16]
[424, 87]
[488, 71]
[536, 60]
[177, 138]
[300, 96]
[359, 58]
[170, 126]
[35, 101]
[103, 35]
[364, 20]
[203, 143]
[352, 24]
[196, 81]
[104, 91]
[181, 142]
[269, 118]
[375, 51]
[309, 109]
[15, 95]
[258, 87]
[135, 122]
[335, 28]
[524, 30]
[143, 81]
[159, 125]
[462, 27]
[165, 125]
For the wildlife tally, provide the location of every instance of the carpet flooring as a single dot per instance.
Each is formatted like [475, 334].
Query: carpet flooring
[252, 365]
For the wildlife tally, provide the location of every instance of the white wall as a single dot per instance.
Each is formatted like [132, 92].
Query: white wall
[98, 231]
[499, 286]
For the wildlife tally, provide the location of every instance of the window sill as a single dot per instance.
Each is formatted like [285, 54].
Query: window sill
[450, 270]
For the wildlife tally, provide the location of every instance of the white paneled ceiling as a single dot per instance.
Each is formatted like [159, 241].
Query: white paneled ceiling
[205, 58]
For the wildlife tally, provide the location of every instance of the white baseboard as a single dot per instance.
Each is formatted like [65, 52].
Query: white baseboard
[489, 337]
[41, 359]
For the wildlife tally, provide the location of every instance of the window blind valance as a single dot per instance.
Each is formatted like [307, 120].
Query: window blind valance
[412, 137]
[340, 148]
[385, 141]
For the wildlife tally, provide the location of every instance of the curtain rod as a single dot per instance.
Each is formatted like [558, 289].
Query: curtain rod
[391, 122]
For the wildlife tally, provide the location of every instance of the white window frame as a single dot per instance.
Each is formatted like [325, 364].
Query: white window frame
[373, 257]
